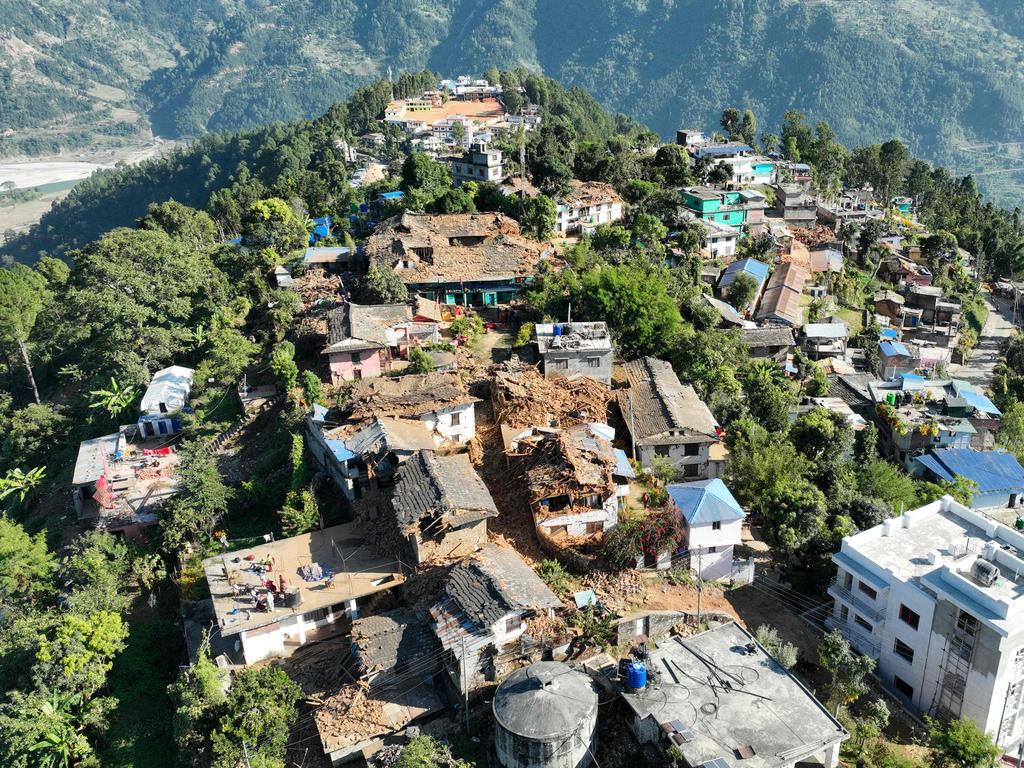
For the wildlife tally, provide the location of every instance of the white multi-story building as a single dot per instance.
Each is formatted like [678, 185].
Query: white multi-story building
[936, 596]
[481, 163]
[590, 204]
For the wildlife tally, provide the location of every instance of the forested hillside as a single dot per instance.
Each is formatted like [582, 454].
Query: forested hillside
[933, 72]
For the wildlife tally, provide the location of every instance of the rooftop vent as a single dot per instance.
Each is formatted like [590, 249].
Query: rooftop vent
[984, 573]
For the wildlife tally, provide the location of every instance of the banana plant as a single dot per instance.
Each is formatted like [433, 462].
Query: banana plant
[114, 400]
[20, 482]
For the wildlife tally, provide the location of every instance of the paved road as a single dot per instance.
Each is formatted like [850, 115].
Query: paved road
[999, 325]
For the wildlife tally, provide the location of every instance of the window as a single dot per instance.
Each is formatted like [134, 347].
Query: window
[848, 580]
[716, 525]
[869, 591]
[844, 613]
[712, 550]
[903, 650]
[691, 449]
[456, 419]
[662, 450]
[512, 624]
[908, 617]
[594, 362]
[595, 527]
[691, 470]
[557, 530]
[902, 686]
[863, 624]
[560, 365]
[354, 357]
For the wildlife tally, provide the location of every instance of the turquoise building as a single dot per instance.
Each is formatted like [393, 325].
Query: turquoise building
[733, 208]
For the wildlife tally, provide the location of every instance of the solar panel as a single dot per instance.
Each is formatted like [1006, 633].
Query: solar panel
[717, 762]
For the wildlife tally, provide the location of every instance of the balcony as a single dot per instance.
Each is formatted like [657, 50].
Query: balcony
[862, 642]
[862, 605]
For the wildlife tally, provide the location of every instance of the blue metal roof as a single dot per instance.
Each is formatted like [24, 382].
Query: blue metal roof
[340, 451]
[890, 333]
[756, 269]
[705, 501]
[891, 348]
[979, 402]
[993, 471]
[396, 195]
[321, 229]
[622, 466]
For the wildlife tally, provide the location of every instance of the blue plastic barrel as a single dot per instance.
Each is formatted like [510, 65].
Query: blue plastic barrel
[557, 330]
[636, 676]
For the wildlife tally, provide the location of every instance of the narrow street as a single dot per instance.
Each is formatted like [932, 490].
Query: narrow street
[998, 326]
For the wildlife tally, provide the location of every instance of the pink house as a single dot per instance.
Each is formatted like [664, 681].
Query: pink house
[364, 339]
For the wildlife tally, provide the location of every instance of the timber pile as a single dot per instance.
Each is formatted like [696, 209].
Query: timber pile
[319, 293]
[522, 397]
[321, 667]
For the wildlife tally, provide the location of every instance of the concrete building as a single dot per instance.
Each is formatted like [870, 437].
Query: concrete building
[575, 348]
[720, 239]
[667, 419]
[825, 340]
[936, 596]
[713, 522]
[589, 205]
[795, 205]
[738, 209]
[364, 339]
[317, 579]
[763, 718]
[480, 163]
[545, 716]
[165, 398]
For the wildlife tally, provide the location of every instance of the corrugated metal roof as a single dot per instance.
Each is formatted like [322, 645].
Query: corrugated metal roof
[756, 269]
[892, 348]
[705, 501]
[993, 471]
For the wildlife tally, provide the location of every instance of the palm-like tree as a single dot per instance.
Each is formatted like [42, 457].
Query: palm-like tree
[114, 400]
[21, 482]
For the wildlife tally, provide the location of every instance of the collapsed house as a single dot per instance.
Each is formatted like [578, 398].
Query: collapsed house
[666, 419]
[480, 619]
[440, 400]
[522, 397]
[458, 258]
[574, 479]
[440, 507]
[393, 659]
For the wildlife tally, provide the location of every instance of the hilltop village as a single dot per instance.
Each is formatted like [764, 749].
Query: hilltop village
[501, 463]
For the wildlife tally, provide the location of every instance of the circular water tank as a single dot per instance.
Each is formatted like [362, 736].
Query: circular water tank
[636, 676]
[545, 716]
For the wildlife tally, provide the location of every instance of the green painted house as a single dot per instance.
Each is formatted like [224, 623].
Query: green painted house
[733, 208]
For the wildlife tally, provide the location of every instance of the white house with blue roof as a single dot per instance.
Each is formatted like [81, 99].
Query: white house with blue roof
[758, 270]
[713, 522]
[998, 475]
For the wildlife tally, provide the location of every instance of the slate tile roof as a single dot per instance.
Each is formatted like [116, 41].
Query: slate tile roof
[494, 583]
[388, 640]
[770, 336]
[440, 486]
[406, 395]
[661, 404]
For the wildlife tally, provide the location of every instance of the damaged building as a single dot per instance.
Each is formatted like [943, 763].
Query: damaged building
[458, 258]
[364, 339]
[666, 419]
[440, 507]
[481, 617]
[522, 397]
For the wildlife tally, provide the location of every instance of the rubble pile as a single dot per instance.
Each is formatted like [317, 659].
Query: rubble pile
[350, 716]
[522, 397]
[815, 235]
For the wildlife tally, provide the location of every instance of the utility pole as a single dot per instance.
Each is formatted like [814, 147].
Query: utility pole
[465, 682]
[700, 584]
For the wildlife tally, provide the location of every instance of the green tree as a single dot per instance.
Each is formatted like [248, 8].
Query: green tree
[427, 177]
[282, 363]
[1011, 430]
[201, 501]
[272, 223]
[25, 564]
[427, 752]
[538, 217]
[381, 286]
[312, 387]
[21, 299]
[229, 354]
[892, 164]
[21, 482]
[649, 232]
[758, 462]
[784, 653]
[182, 223]
[741, 291]
[453, 201]
[259, 711]
[635, 304]
[960, 743]
[865, 445]
[794, 514]
[883, 480]
[848, 669]
[419, 362]
[769, 394]
[198, 696]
